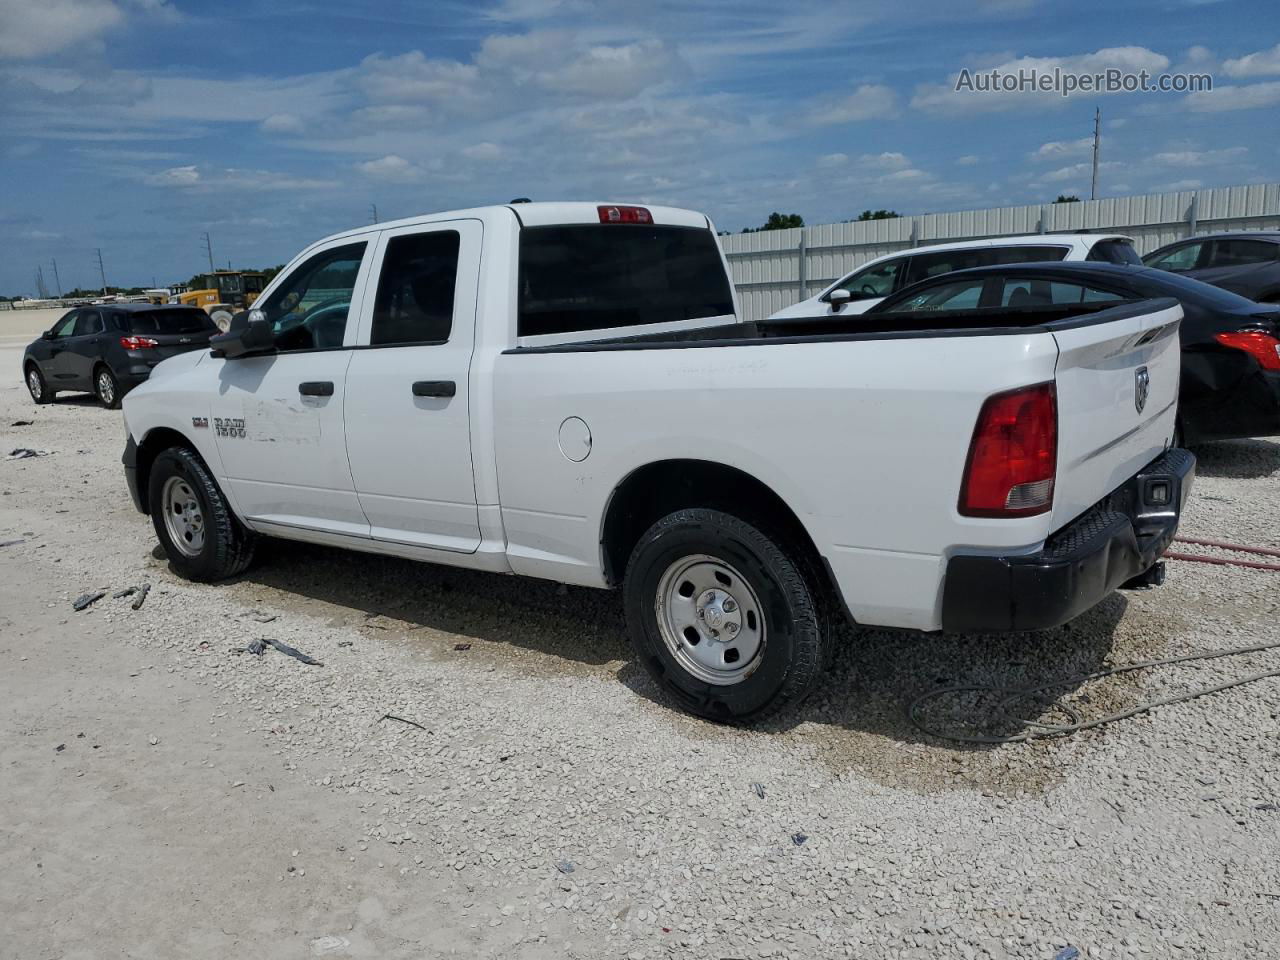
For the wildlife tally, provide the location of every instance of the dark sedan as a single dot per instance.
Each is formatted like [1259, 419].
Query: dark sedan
[1230, 345]
[1244, 263]
[109, 350]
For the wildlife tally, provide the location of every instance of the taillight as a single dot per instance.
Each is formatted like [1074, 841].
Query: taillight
[1261, 346]
[1013, 457]
[624, 215]
[138, 343]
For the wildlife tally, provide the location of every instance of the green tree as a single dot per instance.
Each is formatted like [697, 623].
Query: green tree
[778, 221]
[1067, 198]
[879, 215]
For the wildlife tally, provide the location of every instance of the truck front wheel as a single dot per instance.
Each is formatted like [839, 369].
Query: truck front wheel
[201, 536]
[723, 617]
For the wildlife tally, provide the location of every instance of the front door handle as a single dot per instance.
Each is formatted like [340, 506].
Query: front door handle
[435, 388]
[316, 388]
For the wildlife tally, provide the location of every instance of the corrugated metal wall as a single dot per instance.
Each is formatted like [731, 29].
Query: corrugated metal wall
[770, 271]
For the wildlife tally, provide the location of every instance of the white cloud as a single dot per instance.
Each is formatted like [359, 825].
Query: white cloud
[968, 160]
[391, 169]
[944, 98]
[1177, 185]
[482, 151]
[885, 161]
[1056, 149]
[1247, 97]
[191, 178]
[1264, 63]
[282, 123]
[559, 60]
[829, 161]
[412, 78]
[1074, 171]
[35, 28]
[867, 102]
[174, 177]
[1198, 158]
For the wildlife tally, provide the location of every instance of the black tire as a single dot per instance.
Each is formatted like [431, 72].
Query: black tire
[40, 393]
[106, 387]
[796, 635]
[227, 547]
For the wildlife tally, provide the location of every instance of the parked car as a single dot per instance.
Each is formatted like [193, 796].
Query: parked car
[109, 350]
[1230, 351]
[878, 278]
[564, 390]
[1244, 263]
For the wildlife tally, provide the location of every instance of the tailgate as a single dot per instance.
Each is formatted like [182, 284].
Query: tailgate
[1117, 382]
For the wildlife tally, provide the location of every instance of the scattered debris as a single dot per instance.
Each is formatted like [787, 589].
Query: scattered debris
[265, 617]
[126, 592]
[321, 946]
[141, 597]
[759, 789]
[153, 740]
[258, 647]
[22, 423]
[462, 646]
[87, 599]
[565, 866]
[59, 748]
[24, 453]
[346, 643]
[11, 543]
[799, 838]
[1067, 953]
[412, 723]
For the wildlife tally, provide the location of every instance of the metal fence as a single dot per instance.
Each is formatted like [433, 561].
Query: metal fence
[776, 268]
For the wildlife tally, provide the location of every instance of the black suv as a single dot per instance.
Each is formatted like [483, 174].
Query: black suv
[108, 350]
[1244, 263]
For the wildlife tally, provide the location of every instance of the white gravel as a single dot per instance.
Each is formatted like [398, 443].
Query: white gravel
[546, 748]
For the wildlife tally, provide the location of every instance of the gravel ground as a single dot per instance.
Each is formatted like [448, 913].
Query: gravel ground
[549, 798]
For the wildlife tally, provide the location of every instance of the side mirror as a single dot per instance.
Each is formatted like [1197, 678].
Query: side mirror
[839, 298]
[47, 335]
[252, 338]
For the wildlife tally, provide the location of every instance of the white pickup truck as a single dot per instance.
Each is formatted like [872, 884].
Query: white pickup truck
[564, 390]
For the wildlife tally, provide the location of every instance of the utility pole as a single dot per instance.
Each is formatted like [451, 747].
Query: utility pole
[57, 282]
[41, 290]
[1097, 120]
[102, 272]
[373, 208]
[208, 248]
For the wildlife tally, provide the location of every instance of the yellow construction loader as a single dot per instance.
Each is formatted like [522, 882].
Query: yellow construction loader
[223, 293]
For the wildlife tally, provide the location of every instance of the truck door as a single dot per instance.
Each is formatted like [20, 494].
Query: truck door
[408, 402]
[277, 419]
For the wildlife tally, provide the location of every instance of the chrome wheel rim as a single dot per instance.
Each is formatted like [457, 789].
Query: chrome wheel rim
[710, 619]
[106, 389]
[183, 519]
[34, 384]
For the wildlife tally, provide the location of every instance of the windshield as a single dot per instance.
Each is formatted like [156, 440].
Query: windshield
[171, 322]
[1114, 251]
[603, 276]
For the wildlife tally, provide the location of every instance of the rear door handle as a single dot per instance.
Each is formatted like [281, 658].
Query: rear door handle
[316, 388]
[435, 388]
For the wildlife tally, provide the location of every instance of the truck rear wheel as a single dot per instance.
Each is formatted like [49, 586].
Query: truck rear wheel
[723, 617]
[201, 536]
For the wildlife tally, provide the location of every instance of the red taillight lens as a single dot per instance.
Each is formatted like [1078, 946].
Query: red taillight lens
[1013, 457]
[1261, 346]
[138, 343]
[624, 215]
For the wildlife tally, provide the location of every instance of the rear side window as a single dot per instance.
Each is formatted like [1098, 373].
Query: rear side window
[1239, 253]
[1026, 254]
[1019, 292]
[602, 276]
[1179, 258]
[170, 322]
[415, 291]
[88, 322]
[926, 265]
[1114, 251]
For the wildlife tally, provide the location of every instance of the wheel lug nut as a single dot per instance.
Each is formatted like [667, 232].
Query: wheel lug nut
[732, 628]
[729, 605]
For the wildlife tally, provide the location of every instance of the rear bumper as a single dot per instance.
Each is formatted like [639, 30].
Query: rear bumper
[1247, 407]
[1116, 540]
[130, 461]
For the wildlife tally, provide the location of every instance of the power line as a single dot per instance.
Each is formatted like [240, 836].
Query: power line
[1097, 119]
[56, 280]
[208, 248]
[373, 207]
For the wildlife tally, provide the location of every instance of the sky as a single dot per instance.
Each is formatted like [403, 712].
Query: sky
[136, 126]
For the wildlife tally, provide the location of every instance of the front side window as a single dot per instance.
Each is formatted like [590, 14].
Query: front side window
[308, 311]
[1181, 258]
[88, 322]
[415, 291]
[875, 281]
[66, 326]
[602, 276]
[957, 295]
[1240, 253]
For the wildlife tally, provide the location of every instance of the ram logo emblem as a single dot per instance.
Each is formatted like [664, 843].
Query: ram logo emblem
[1141, 387]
